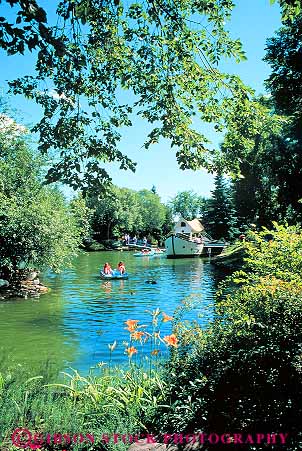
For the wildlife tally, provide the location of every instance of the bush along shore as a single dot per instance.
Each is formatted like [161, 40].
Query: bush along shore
[237, 381]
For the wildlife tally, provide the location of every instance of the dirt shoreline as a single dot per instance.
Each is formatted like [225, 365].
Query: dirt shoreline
[23, 289]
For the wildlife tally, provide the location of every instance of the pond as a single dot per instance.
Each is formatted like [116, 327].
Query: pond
[72, 325]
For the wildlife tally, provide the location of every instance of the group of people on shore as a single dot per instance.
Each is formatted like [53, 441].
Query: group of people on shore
[128, 240]
[109, 271]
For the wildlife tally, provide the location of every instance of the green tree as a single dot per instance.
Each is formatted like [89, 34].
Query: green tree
[82, 214]
[37, 228]
[267, 147]
[187, 204]
[168, 224]
[153, 213]
[283, 53]
[124, 210]
[130, 212]
[165, 54]
[115, 212]
[263, 161]
[220, 217]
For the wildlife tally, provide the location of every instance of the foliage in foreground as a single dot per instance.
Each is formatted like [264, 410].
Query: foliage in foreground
[110, 400]
[243, 372]
[102, 404]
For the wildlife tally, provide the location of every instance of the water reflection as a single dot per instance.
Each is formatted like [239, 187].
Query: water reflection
[76, 321]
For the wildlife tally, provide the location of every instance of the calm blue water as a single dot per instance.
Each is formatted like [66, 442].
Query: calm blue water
[74, 323]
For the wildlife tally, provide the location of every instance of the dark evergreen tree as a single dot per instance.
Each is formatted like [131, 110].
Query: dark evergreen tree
[220, 218]
[257, 194]
[284, 54]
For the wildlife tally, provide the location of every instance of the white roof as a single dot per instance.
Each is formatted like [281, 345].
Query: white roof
[195, 225]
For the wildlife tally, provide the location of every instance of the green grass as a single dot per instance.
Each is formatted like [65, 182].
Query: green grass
[105, 402]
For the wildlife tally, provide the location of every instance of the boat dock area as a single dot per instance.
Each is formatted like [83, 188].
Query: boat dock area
[213, 249]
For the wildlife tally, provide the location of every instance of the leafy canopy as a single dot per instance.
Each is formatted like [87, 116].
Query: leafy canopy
[290, 8]
[165, 53]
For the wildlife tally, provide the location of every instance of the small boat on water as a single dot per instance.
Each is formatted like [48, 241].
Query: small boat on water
[189, 239]
[116, 275]
[144, 253]
[159, 252]
[154, 252]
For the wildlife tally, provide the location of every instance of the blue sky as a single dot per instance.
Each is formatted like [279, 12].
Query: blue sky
[253, 21]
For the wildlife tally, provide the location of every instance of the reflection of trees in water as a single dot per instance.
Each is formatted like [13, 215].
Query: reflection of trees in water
[106, 287]
[202, 279]
[35, 333]
[190, 270]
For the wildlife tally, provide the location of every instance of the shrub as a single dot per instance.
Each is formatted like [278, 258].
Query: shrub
[243, 373]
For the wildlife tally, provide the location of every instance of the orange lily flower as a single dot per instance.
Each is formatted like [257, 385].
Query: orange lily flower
[171, 340]
[131, 324]
[137, 335]
[166, 317]
[130, 351]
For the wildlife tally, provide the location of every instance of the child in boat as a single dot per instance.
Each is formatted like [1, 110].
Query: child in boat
[107, 269]
[121, 268]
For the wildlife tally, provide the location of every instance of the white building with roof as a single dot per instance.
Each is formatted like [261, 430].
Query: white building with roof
[190, 228]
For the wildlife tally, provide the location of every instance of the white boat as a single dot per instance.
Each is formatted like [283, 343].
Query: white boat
[187, 239]
[190, 240]
[180, 246]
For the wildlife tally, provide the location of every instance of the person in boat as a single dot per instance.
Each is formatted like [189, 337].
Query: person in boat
[107, 269]
[121, 268]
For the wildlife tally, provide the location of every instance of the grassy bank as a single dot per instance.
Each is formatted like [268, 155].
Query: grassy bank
[231, 258]
[120, 401]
